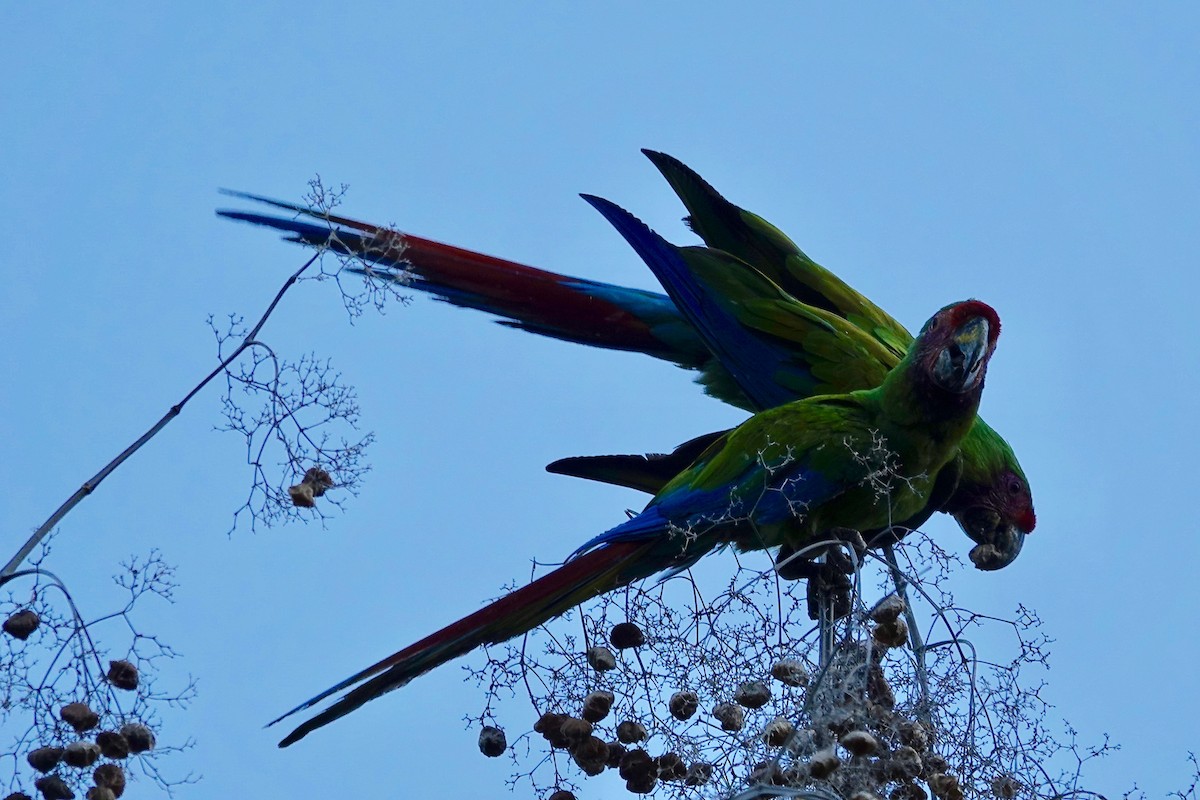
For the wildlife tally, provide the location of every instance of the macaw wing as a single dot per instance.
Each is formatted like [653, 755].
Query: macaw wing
[776, 348]
[819, 352]
[725, 226]
[774, 467]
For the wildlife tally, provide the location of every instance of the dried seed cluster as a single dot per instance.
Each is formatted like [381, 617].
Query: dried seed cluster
[108, 779]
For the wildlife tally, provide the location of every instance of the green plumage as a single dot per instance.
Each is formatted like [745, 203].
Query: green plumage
[776, 292]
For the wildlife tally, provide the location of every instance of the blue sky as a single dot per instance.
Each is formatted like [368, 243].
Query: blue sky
[1043, 158]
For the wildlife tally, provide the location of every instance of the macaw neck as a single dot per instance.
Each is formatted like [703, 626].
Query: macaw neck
[909, 397]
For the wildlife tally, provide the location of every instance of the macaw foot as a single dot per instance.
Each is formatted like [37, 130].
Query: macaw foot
[790, 567]
[830, 589]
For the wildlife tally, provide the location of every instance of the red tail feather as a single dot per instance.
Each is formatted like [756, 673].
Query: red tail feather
[588, 576]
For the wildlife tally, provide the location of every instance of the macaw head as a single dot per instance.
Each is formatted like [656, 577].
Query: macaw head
[993, 503]
[954, 346]
[940, 379]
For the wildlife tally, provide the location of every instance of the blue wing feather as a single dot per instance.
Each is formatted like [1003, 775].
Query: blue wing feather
[753, 361]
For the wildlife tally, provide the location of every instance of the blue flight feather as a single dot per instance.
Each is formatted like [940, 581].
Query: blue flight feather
[719, 329]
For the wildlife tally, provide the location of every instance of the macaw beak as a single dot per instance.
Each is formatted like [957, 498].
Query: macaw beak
[959, 365]
[995, 549]
[1001, 552]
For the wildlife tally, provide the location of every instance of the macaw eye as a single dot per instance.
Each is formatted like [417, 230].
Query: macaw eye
[1014, 486]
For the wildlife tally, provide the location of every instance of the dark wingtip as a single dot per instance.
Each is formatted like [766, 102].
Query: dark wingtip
[625, 222]
[617, 216]
[291, 738]
[657, 155]
[665, 161]
[258, 198]
[557, 467]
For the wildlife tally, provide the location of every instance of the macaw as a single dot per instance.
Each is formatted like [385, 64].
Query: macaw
[987, 494]
[789, 476]
[772, 345]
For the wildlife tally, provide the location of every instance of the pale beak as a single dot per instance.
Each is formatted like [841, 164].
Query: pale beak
[959, 365]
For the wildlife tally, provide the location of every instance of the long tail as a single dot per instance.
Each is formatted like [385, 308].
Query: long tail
[574, 309]
[580, 579]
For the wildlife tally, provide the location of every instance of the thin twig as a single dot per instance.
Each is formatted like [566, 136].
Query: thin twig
[92, 483]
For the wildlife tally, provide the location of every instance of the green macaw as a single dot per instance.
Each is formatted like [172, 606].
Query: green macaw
[787, 477]
[777, 346]
[991, 499]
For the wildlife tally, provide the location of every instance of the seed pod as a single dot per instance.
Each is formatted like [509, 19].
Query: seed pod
[933, 763]
[630, 732]
[752, 694]
[880, 716]
[81, 754]
[112, 776]
[698, 774]
[891, 634]
[908, 791]
[601, 659]
[987, 557]
[549, 725]
[889, 610]
[302, 495]
[641, 785]
[878, 688]
[802, 740]
[561, 794]
[140, 737]
[796, 774]
[318, 479]
[22, 624]
[597, 705]
[778, 731]
[123, 675]
[914, 735]
[112, 744]
[945, 787]
[790, 672]
[766, 772]
[616, 751]
[683, 705]
[100, 793]
[824, 763]
[591, 755]
[625, 635]
[670, 767]
[53, 787]
[731, 717]
[492, 742]
[44, 759]
[637, 763]
[17, 796]
[79, 716]
[859, 743]
[905, 763]
[575, 730]
[1005, 787]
